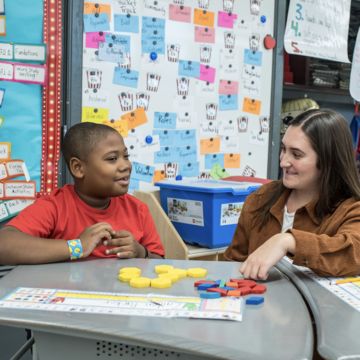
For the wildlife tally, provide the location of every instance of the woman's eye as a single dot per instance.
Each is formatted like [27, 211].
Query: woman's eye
[296, 155]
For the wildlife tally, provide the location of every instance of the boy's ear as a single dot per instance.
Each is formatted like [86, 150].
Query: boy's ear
[76, 168]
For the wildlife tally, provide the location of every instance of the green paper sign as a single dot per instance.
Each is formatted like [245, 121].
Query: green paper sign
[2, 119]
[217, 172]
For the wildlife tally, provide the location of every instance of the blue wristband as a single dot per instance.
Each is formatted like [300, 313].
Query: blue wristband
[75, 248]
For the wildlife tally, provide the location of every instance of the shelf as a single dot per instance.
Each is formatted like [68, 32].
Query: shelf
[319, 94]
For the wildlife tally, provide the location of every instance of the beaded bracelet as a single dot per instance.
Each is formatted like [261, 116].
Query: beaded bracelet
[75, 248]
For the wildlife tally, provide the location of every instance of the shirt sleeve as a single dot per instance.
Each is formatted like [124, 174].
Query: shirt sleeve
[38, 219]
[337, 255]
[151, 239]
[239, 247]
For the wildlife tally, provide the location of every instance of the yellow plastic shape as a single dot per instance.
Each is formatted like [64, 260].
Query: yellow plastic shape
[179, 272]
[172, 277]
[161, 283]
[126, 277]
[133, 270]
[140, 282]
[163, 269]
[196, 272]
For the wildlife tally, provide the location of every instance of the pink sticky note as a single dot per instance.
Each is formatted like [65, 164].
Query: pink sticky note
[178, 14]
[226, 20]
[93, 39]
[207, 74]
[228, 89]
[205, 34]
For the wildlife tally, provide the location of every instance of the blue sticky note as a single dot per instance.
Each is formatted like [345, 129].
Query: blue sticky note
[212, 159]
[151, 41]
[124, 23]
[186, 153]
[185, 137]
[190, 169]
[2, 94]
[134, 184]
[142, 172]
[253, 57]
[165, 155]
[119, 40]
[167, 137]
[164, 120]
[126, 77]
[189, 68]
[228, 102]
[95, 24]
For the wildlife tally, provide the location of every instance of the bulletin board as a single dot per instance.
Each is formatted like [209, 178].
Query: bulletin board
[203, 99]
[30, 90]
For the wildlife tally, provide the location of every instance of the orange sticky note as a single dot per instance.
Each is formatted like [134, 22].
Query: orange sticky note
[209, 146]
[232, 161]
[159, 175]
[252, 106]
[135, 118]
[121, 126]
[204, 17]
[90, 8]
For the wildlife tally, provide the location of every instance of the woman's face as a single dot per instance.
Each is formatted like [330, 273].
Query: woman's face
[298, 159]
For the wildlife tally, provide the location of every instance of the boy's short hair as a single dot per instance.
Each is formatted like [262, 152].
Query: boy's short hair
[81, 139]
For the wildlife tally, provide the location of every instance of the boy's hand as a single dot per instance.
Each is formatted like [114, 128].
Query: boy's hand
[127, 246]
[92, 236]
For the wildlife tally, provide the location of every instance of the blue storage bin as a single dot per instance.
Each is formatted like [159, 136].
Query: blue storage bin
[205, 212]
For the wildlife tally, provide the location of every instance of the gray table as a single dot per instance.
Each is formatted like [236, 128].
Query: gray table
[337, 323]
[278, 329]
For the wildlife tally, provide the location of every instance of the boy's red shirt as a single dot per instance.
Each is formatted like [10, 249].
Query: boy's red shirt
[63, 215]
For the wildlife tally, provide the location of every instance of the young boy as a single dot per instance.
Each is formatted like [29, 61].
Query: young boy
[95, 216]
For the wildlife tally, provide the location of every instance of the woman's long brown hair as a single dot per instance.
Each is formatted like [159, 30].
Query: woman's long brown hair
[330, 137]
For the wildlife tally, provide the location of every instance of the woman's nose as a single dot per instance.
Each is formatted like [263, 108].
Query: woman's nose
[284, 160]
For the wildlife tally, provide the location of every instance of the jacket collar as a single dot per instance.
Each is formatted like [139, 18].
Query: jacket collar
[278, 209]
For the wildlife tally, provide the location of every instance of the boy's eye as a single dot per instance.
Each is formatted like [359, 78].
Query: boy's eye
[126, 156]
[112, 159]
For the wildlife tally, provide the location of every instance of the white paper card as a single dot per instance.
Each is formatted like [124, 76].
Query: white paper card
[29, 52]
[3, 173]
[148, 148]
[209, 129]
[15, 206]
[126, 7]
[242, 26]
[1, 190]
[25, 171]
[2, 92]
[186, 120]
[113, 53]
[2, 6]
[152, 65]
[132, 145]
[4, 151]
[3, 211]
[355, 71]
[19, 189]
[6, 70]
[229, 71]
[251, 87]
[156, 9]
[2, 26]
[91, 60]
[183, 105]
[29, 73]
[251, 72]
[98, 99]
[227, 128]
[229, 56]
[15, 168]
[205, 89]
[229, 144]
[258, 139]
[6, 51]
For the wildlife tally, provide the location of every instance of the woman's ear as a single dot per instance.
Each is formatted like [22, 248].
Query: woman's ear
[76, 168]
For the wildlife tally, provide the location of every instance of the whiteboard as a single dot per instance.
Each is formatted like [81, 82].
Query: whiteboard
[248, 26]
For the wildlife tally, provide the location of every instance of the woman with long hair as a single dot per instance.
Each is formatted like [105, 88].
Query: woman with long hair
[312, 214]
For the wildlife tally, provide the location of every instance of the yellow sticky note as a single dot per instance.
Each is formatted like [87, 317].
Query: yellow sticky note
[232, 161]
[209, 146]
[94, 115]
[204, 17]
[90, 8]
[5, 151]
[159, 175]
[2, 25]
[121, 126]
[135, 118]
[252, 106]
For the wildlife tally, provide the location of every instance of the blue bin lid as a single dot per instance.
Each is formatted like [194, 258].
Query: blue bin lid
[210, 186]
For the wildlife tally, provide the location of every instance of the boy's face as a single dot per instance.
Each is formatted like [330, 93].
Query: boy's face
[107, 169]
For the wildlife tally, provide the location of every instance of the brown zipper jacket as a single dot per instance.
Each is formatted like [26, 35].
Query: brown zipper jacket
[329, 248]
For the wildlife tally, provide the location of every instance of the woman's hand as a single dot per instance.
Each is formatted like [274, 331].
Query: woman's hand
[258, 264]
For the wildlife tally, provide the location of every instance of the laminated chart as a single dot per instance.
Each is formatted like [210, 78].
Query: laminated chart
[157, 305]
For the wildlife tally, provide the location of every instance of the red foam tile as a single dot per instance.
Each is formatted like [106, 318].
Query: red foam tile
[245, 291]
[223, 292]
[246, 283]
[197, 283]
[258, 289]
